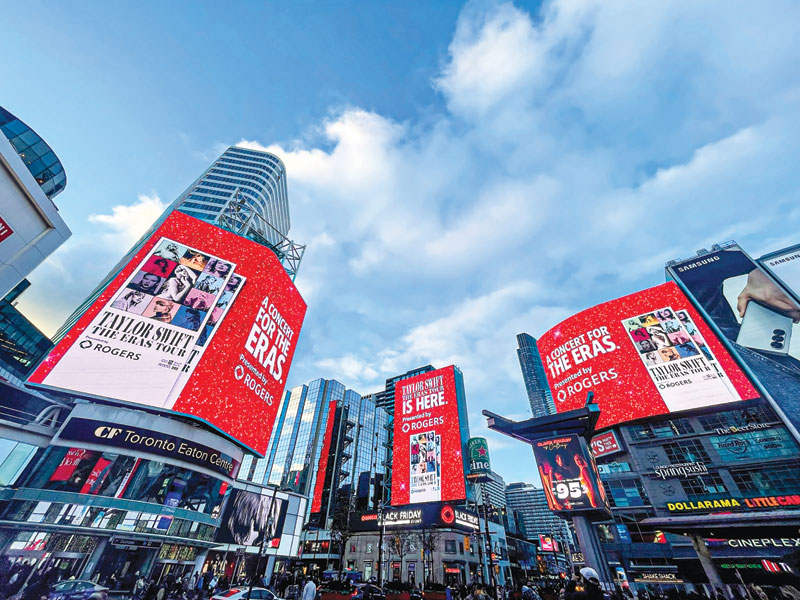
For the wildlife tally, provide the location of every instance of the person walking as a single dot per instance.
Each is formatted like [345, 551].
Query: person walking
[309, 590]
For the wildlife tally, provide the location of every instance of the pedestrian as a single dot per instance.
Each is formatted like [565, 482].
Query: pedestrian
[310, 590]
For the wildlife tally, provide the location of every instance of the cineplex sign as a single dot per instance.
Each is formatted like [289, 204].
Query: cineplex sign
[726, 504]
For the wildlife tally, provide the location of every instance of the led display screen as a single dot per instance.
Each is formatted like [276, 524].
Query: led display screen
[200, 322]
[428, 463]
[645, 354]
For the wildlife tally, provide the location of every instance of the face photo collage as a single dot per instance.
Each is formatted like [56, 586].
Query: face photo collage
[178, 285]
[661, 336]
[426, 453]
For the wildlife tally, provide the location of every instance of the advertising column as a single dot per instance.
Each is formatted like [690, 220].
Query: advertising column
[428, 457]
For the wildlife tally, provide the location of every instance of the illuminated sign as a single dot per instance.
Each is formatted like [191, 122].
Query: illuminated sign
[547, 544]
[428, 463]
[201, 322]
[5, 230]
[605, 444]
[569, 474]
[436, 515]
[726, 504]
[642, 355]
[684, 470]
[145, 440]
[657, 578]
[479, 466]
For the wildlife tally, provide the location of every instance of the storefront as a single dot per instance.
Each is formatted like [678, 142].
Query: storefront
[115, 492]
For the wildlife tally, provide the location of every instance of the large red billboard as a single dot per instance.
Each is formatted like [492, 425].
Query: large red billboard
[200, 322]
[645, 354]
[428, 463]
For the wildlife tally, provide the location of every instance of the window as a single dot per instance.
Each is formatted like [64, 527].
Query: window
[450, 546]
[763, 481]
[626, 492]
[737, 418]
[686, 451]
[704, 485]
[671, 428]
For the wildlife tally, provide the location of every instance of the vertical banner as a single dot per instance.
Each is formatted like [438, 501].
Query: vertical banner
[322, 467]
[428, 465]
[569, 475]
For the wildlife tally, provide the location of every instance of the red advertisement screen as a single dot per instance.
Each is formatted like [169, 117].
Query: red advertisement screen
[642, 355]
[200, 322]
[319, 484]
[428, 461]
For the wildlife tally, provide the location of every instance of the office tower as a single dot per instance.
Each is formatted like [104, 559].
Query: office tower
[385, 398]
[539, 395]
[531, 504]
[493, 494]
[243, 191]
[31, 176]
[22, 345]
[325, 430]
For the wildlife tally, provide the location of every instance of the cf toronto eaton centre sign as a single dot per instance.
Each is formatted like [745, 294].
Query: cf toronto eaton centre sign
[137, 438]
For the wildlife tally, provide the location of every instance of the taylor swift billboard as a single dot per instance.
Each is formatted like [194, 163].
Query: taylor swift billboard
[200, 322]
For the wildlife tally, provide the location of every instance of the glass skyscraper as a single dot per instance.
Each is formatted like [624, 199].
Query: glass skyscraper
[539, 395]
[358, 443]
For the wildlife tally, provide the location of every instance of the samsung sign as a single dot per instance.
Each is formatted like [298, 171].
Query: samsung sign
[138, 439]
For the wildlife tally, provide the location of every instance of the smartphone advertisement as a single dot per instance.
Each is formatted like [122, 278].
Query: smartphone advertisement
[428, 450]
[642, 355]
[569, 475]
[752, 311]
[200, 322]
[784, 266]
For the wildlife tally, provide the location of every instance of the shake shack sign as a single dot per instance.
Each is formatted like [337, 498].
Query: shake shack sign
[138, 439]
[682, 470]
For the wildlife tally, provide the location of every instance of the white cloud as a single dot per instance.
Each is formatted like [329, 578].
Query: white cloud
[580, 149]
[128, 222]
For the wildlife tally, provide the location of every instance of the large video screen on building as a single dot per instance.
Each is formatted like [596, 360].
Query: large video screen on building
[428, 464]
[642, 355]
[784, 265]
[569, 475]
[754, 314]
[200, 322]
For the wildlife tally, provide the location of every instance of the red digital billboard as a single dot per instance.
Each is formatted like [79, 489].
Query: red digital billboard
[645, 354]
[319, 484]
[428, 464]
[200, 322]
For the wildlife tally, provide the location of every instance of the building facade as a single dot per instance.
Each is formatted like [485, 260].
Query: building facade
[539, 395]
[31, 176]
[531, 504]
[719, 483]
[22, 345]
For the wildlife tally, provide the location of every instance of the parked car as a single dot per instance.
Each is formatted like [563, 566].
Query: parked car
[239, 592]
[368, 591]
[77, 589]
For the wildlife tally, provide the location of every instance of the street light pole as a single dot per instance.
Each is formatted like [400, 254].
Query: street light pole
[488, 537]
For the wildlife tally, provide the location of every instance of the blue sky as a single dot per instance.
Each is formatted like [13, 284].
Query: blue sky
[460, 173]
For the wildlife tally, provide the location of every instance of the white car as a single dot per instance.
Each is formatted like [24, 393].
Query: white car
[239, 592]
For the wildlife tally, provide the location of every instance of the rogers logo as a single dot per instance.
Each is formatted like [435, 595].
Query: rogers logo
[561, 396]
[238, 372]
[448, 515]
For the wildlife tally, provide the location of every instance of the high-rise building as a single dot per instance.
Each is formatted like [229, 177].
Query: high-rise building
[493, 492]
[30, 177]
[539, 395]
[243, 191]
[22, 345]
[356, 447]
[531, 503]
[385, 398]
